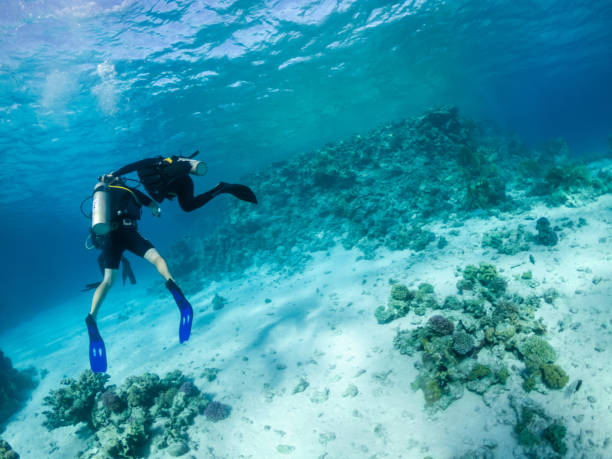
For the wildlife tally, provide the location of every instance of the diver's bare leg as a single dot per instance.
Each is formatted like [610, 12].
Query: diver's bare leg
[153, 256]
[185, 308]
[109, 278]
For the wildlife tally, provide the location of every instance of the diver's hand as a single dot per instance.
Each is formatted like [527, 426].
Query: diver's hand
[155, 209]
[107, 178]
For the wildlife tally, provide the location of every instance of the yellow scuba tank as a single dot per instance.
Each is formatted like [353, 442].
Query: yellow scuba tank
[197, 167]
[100, 210]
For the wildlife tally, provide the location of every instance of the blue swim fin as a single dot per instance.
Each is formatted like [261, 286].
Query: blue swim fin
[184, 307]
[97, 351]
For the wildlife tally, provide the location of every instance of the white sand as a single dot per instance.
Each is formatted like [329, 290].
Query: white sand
[320, 325]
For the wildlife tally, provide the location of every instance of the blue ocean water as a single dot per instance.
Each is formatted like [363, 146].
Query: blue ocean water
[89, 86]
[86, 87]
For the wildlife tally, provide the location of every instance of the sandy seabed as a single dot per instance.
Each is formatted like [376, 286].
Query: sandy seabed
[277, 333]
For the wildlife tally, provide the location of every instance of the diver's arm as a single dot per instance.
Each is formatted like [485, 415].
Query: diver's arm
[147, 162]
[155, 209]
[143, 199]
[147, 201]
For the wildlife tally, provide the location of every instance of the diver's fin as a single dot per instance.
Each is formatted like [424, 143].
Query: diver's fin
[124, 274]
[242, 192]
[127, 271]
[184, 307]
[91, 286]
[97, 351]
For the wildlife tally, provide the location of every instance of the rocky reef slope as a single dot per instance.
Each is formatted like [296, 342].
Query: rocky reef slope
[381, 190]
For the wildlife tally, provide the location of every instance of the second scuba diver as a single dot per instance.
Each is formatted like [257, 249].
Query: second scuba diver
[167, 178]
[125, 209]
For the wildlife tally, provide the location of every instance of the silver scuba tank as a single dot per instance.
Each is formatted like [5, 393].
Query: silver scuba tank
[100, 210]
[197, 167]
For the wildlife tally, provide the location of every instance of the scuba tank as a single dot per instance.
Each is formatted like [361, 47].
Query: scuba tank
[197, 167]
[100, 210]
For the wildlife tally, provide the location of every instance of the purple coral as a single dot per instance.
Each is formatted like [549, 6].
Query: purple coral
[217, 411]
[440, 325]
[189, 389]
[112, 401]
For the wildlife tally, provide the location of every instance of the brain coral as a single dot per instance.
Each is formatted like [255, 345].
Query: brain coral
[554, 376]
[189, 389]
[217, 411]
[440, 325]
[400, 292]
[462, 343]
[112, 401]
[537, 352]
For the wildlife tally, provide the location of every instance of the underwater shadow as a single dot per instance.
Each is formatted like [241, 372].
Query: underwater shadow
[203, 318]
[295, 311]
[292, 313]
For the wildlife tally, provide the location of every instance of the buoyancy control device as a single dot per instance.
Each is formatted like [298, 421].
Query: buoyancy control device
[158, 177]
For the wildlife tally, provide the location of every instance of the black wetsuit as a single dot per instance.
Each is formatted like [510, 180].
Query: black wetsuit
[165, 180]
[127, 272]
[182, 187]
[125, 213]
[98, 240]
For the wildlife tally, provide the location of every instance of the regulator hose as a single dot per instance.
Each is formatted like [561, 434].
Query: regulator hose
[83, 202]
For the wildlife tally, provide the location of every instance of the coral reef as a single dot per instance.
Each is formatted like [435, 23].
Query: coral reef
[479, 371]
[555, 433]
[553, 376]
[485, 192]
[564, 184]
[218, 302]
[550, 295]
[489, 321]
[414, 238]
[112, 401]
[73, 403]
[440, 325]
[381, 189]
[6, 452]
[463, 343]
[534, 429]
[507, 242]
[401, 293]
[546, 234]
[536, 352]
[210, 374]
[216, 411]
[15, 387]
[483, 281]
[452, 302]
[402, 300]
[431, 390]
[127, 419]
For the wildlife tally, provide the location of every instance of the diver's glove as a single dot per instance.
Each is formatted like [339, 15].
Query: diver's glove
[155, 209]
[107, 178]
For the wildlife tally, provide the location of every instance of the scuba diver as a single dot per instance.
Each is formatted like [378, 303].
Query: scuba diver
[167, 178]
[116, 210]
[97, 241]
